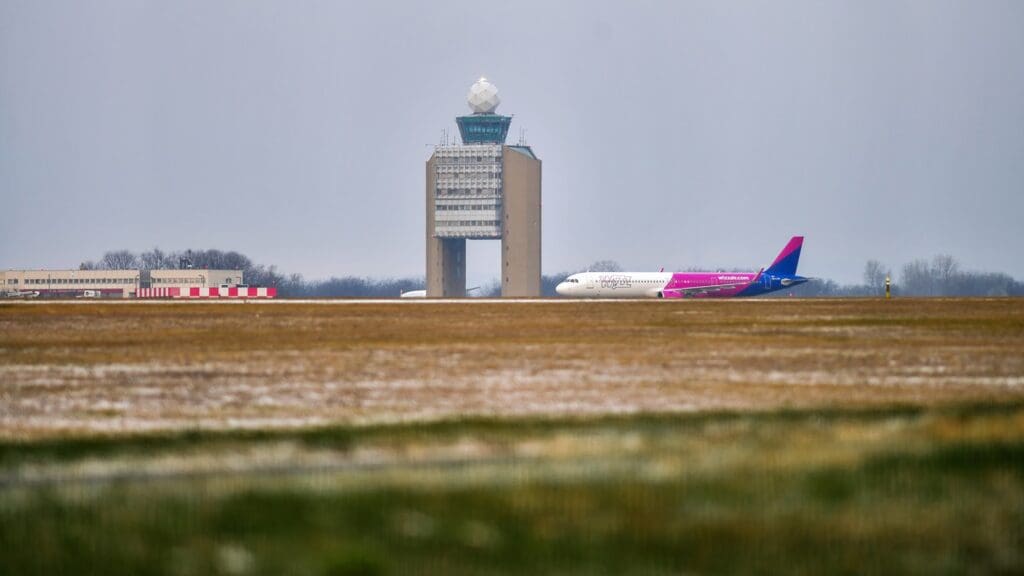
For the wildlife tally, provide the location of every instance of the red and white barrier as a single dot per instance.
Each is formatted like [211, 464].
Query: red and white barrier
[206, 292]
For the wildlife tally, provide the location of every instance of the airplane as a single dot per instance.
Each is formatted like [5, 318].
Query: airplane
[21, 294]
[780, 275]
[423, 293]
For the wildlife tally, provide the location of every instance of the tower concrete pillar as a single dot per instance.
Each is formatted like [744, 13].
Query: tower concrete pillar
[446, 267]
[520, 240]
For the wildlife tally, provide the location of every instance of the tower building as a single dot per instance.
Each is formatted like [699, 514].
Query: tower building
[483, 189]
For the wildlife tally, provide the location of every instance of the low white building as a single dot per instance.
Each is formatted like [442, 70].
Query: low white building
[109, 283]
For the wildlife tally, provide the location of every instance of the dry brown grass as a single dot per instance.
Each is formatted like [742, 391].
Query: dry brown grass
[113, 368]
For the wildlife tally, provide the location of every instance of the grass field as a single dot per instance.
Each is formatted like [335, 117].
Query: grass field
[123, 368]
[842, 436]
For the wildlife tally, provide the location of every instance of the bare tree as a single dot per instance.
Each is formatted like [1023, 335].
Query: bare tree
[261, 275]
[945, 272]
[916, 279]
[119, 260]
[605, 266]
[218, 260]
[156, 259]
[235, 261]
[874, 276]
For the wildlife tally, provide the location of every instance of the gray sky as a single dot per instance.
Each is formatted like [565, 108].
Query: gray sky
[673, 134]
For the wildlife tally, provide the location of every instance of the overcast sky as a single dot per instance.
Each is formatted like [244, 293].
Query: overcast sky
[673, 134]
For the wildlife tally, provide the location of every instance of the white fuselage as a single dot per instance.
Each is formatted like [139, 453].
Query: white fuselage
[614, 284]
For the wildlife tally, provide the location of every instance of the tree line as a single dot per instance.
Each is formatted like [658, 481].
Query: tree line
[940, 276]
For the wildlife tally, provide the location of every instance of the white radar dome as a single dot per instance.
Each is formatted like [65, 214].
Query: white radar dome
[483, 97]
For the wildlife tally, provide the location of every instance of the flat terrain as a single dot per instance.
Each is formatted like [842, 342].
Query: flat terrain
[745, 437]
[129, 367]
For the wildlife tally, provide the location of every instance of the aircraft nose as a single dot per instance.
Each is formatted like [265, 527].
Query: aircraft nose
[562, 289]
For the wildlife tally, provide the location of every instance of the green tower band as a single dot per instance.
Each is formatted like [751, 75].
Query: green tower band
[483, 189]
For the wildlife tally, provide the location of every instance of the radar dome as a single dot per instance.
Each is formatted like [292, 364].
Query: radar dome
[483, 97]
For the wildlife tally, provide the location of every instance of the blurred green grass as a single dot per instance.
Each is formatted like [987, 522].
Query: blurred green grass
[935, 490]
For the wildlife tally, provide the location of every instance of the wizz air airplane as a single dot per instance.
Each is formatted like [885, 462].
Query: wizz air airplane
[780, 275]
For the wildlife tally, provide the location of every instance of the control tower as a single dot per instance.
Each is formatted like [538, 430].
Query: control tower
[483, 189]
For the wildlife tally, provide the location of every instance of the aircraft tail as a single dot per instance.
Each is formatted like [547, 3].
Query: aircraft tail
[785, 263]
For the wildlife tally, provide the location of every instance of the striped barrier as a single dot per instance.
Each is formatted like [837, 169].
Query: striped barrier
[234, 292]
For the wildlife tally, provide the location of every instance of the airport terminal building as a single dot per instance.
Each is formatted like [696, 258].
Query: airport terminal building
[136, 283]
